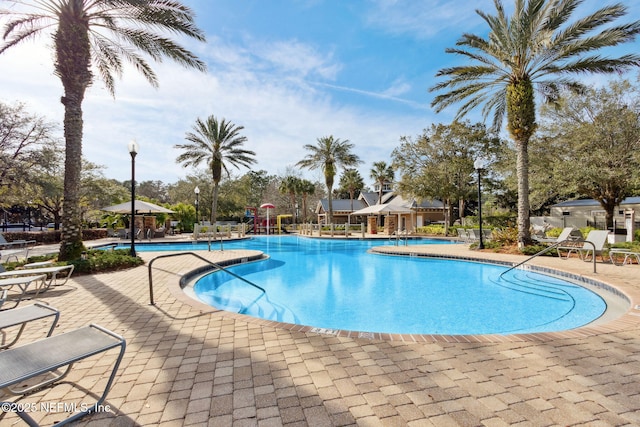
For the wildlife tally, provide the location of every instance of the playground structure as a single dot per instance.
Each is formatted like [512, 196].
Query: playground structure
[258, 224]
[279, 223]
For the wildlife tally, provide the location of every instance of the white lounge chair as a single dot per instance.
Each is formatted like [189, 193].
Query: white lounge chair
[56, 356]
[23, 315]
[52, 274]
[567, 234]
[23, 283]
[592, 246]
[4, 244]
[628, 254]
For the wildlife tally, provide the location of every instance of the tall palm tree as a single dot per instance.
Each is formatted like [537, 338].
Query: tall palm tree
[534, 48]
[381, 173]
[351, 181]
[328, 155]
[306, 189]
[100, 33]
[290, 185]
[218, 144]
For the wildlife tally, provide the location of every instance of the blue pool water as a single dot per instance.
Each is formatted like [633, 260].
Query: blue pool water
[336, 284]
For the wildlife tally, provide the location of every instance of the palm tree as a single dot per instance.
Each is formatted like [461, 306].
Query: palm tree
[218, 144]
[102, 33]
[536, 47]
[351, 181]
[290, 185]
[328, 155]
[381, 173]
[306, 189]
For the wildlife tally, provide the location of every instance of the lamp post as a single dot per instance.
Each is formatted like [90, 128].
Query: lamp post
[133, 150]
[197, 191]
[479, 164]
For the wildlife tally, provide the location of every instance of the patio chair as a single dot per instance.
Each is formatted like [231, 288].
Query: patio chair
[53, 274]
[23, 315]
[22, 282]
[628, 254]
[4, 244]
[462, 235]
[55, 356]
[474, 234]
[592, 246]
[567, 234]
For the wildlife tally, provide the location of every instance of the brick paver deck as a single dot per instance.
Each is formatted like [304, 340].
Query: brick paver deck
[187, 364]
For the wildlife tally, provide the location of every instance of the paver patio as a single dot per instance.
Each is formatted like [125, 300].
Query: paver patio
[187, 364]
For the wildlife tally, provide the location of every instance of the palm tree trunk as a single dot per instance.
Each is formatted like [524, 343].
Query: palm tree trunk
[73, 68]
[214, 203]
[522, 171]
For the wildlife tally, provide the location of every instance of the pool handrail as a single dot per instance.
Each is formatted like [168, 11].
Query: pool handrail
[553, 246]
[216, 265]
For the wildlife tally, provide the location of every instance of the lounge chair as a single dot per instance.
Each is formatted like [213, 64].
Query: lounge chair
[567, 234]
[23, 315]
[4, 244]
[462, 235]
[23, 283]
[13, 253]
[593, 245]
[52, 274]
[629, 255]
[20, 364]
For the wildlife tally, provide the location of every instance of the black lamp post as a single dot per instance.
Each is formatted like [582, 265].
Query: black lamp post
[133, 150]
[479, 164]
[197, 191]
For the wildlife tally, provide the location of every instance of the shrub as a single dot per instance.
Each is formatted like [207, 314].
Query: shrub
[433, 229]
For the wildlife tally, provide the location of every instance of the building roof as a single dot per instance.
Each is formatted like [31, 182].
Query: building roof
[592, 202]
[340, 205]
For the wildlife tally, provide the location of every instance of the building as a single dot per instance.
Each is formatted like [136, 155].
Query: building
[588, 212]
[394, 211]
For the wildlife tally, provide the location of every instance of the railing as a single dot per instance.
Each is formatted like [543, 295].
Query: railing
[218, 266]
[554, 246]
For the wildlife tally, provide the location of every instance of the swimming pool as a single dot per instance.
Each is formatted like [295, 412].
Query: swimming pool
[336, 284]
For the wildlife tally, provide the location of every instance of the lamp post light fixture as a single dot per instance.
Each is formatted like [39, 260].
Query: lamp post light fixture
[478, 165]
[133, 150]
[197, 191]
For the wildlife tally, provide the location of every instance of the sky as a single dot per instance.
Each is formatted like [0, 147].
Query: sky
[288, 71]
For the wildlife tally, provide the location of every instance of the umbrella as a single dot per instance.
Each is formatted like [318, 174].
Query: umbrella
[267, 206]
[140, 207]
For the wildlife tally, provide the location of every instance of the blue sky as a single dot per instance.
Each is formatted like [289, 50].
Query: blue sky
[288, 71]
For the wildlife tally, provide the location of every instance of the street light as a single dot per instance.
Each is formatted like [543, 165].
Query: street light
[133, 150]
[479, 164]
[197, 191]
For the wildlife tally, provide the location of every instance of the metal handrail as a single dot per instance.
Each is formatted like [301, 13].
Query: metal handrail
[218, 266]
[554, 246]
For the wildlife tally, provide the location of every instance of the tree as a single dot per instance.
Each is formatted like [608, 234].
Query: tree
[328, 155]
[307, 188]
[439, 163]
[24, 143]
[218, 144]
[290, 185]
[81, 37]
[536, 47]
[350, 182]
[597, 139]
[381, 173]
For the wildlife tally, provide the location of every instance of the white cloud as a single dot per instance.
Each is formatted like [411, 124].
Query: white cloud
[279, 110]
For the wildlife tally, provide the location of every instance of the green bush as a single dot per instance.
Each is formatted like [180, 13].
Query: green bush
[100, 261]
[433, 229]
[97, 261]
